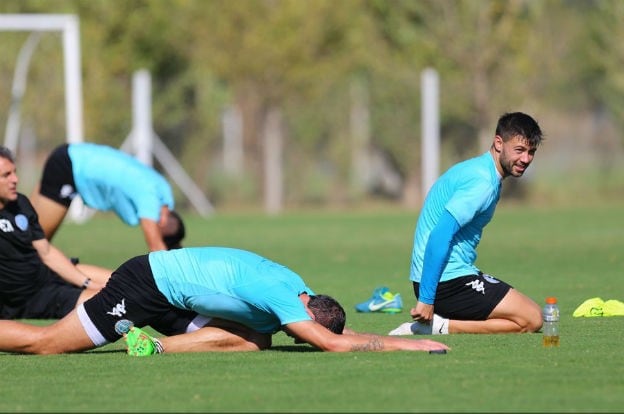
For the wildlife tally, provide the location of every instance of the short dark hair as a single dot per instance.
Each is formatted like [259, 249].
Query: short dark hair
[6, 154]
[328, 312]
[174, 240]
[513, 124]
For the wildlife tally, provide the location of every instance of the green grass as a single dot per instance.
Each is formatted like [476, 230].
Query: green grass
[573, 253]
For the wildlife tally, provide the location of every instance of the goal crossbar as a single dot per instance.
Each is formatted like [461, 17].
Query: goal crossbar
[68, 25]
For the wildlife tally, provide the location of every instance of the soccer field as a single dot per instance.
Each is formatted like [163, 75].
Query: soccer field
[573, 253]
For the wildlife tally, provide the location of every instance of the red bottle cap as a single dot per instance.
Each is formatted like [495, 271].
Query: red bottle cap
[551, 300]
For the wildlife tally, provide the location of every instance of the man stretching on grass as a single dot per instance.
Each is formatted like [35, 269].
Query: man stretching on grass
[107, 179]
[457, 208]
[37, 281]
[209, 299]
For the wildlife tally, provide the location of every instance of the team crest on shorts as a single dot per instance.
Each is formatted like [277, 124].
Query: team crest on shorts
[490, 279]
[67, 191]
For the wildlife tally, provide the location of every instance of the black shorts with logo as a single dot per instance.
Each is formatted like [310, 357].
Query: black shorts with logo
[471, 298]
[131, 293]
[57, 180]
[53, 300]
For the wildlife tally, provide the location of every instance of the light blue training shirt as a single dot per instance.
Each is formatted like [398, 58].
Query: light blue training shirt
[231, 284]
[469, 191]
[110, 179]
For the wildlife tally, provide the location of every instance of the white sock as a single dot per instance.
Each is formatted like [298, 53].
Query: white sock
[159, 347]
[439, 325]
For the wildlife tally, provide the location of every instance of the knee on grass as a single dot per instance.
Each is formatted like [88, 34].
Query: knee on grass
[532, 322]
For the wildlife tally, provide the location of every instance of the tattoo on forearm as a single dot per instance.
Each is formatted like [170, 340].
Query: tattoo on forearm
[375, 344]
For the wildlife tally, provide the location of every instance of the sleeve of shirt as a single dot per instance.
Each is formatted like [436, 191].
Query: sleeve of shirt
[281, 301]
[27, 209]
[469, 199]
[436, 253]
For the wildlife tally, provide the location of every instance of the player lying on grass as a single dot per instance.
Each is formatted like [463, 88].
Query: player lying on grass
[206, 299]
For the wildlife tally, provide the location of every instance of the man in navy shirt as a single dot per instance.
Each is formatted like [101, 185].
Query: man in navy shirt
[37, 280]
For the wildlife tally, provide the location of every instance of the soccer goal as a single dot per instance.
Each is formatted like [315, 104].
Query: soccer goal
[142, 142]
[37, 23]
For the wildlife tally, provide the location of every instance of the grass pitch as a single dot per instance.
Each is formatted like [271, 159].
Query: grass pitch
[573, 253]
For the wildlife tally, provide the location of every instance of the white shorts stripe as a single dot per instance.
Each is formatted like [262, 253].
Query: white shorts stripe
[198, 322]
[94, 334]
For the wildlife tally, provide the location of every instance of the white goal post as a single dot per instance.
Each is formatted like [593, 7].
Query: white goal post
[143, 140]
[68, 25]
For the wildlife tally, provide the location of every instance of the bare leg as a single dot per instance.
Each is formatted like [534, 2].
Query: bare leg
[86, 295]
[515, 313]
[97, 273]
[217, 336]
[50, 213]
[65, 335]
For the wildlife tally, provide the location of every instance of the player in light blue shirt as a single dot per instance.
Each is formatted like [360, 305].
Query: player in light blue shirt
[457, 208]
[204, 299]
[231, 284]
[108, 179]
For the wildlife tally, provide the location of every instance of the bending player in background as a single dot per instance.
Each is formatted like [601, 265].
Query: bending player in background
[107, 179]
[459, 205]
[209, 299]
[37, 281]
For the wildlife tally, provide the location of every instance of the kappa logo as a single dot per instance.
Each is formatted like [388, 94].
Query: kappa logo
[119, 309]
[6, 226]
[477, 286]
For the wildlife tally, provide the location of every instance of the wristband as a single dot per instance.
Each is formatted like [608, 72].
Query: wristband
[85, 284]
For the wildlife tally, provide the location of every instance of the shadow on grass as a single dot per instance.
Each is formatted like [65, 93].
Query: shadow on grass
[293, 348]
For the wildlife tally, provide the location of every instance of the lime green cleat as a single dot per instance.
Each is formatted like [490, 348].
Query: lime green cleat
[141, 344]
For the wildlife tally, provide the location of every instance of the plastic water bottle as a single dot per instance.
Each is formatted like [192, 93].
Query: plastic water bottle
[550, 328]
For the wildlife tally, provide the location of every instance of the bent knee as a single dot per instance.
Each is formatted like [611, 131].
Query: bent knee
[533, 322]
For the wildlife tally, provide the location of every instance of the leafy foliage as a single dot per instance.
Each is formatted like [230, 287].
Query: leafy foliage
[303, 56]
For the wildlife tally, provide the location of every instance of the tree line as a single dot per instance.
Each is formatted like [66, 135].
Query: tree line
[316, 71]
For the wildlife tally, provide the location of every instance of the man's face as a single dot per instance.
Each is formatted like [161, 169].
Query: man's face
[8, 181]
[515, 156]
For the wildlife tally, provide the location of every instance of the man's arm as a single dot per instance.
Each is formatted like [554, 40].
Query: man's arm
[61, 265]
[436, 254]
[153, 235]
[318, 336]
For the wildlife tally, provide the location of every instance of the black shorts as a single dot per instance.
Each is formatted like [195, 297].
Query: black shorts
[468, 298]
[53, 301]
[131, 293]
[57, 180]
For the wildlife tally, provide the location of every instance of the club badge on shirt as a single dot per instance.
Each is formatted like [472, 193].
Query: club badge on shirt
[21, 221]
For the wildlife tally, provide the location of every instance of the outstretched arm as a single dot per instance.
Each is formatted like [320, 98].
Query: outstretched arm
[61, 265]
[318, 336]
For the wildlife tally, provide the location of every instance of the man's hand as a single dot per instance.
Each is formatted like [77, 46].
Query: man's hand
[422, 312]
